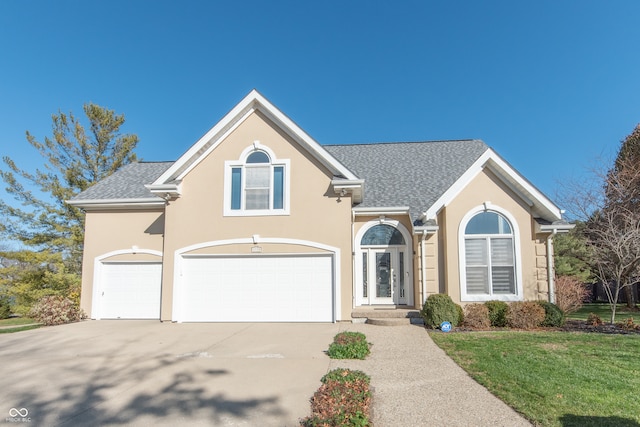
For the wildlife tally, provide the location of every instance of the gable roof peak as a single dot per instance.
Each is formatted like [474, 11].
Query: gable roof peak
[253, 101]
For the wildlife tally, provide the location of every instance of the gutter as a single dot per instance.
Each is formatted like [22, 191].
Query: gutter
[90, 204]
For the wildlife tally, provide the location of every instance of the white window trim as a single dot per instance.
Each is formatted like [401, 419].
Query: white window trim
[241, 163]
[464, 296]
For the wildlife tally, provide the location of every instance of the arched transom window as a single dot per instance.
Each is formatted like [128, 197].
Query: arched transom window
[489, 255]
[382, 235]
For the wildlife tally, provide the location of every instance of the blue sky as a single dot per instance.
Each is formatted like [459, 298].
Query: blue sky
[551, 86]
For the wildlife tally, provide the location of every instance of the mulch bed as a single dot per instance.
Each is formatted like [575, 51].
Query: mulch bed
[569, 326]
[606, 328]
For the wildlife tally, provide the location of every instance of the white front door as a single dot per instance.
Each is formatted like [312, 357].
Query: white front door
[385, 276]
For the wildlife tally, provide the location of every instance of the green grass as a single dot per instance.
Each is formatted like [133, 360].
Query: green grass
[555, 378]
[604, 311]
[349, 345]
[18, 329]
[17, 321]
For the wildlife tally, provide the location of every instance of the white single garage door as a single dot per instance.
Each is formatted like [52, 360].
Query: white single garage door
[283, 288]
[130, 290]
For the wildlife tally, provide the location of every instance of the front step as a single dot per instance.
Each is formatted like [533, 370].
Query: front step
[389, 321]
[386, 315]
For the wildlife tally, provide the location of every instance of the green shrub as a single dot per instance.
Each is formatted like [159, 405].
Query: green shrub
[5, 307]
[56, 310]
[343, 399]
[525, 315]
[497, 313]
[460, 315]
[553, 317]
[349, 345]
[477, 316]
[439, 308]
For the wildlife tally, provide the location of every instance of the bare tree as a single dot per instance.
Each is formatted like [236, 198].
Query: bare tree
[609, 205]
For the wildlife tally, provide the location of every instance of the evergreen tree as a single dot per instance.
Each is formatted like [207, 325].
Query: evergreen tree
[51, 232]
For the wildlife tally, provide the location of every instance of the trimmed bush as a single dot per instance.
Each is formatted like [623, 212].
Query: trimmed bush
[460, 315]
[476, 316]
[56, 310]
[497, 313]
[525, 315]
[343, 399]
[553, 316]
[570, 293]
[349, 345]
[439, 308]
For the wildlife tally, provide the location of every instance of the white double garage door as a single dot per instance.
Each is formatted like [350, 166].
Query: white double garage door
[282, 288]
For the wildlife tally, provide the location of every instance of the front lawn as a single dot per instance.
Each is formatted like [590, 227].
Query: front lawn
[555, 378]
[18, 324]
[604, 311]
[17, 321]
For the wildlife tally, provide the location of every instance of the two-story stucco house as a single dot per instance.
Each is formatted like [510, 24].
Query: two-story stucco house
[259, 222]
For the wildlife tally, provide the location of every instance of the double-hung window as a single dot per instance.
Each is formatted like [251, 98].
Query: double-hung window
[489, 255]
[257, 185]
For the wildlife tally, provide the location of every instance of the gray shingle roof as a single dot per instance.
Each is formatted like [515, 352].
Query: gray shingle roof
[126, 183]
[413, 174]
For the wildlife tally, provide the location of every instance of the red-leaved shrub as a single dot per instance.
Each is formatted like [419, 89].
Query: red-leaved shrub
[56, 310]
[476, 316]
[570, 293]
[525, 315]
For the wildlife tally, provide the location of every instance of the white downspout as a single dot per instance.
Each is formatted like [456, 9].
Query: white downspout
[423, 265]
[550, 272]
[353, 261]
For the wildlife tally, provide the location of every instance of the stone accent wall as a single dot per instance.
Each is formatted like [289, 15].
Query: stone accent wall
[542, 278]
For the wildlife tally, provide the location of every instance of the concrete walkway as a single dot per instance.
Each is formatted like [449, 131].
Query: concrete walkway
[417, 384]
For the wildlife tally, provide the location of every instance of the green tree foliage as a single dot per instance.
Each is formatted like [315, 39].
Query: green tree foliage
[51, 232]
[572, 256]
[30, 275]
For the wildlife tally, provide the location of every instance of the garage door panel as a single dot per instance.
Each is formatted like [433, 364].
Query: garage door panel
[130, 291]
[258, 289]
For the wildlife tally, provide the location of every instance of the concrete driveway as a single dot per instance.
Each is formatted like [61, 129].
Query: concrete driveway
[150, 373]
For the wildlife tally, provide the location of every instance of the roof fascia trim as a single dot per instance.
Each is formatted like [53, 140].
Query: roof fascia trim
[250, 103]
[508, 175]
[355, 187]
[145, 203]
[556, 228]
[382, 210]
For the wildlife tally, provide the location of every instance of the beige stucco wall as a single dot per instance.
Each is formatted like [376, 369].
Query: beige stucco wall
[110, 231]
[486, 187]
[316, 214]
